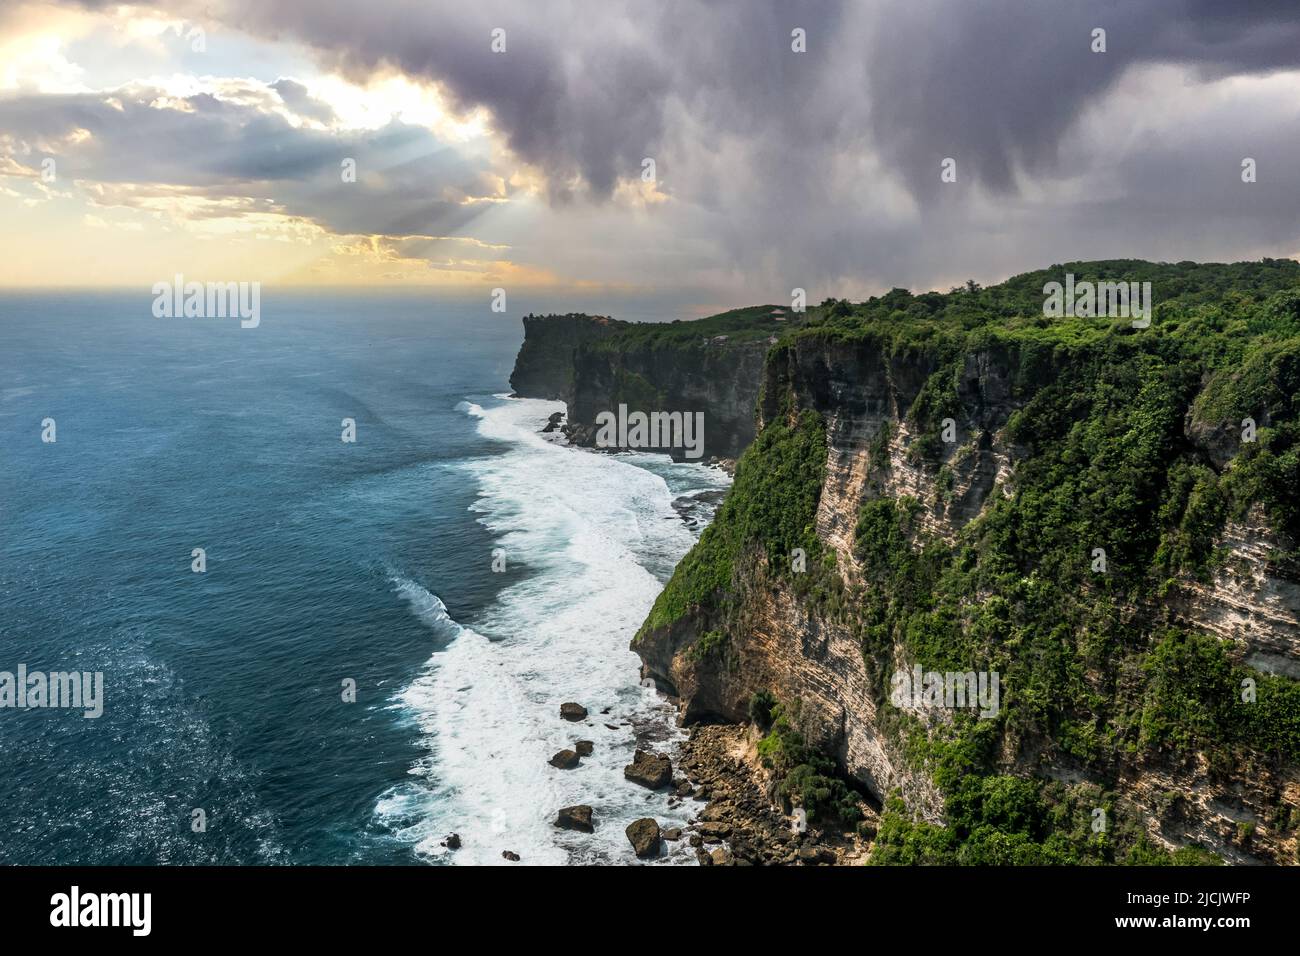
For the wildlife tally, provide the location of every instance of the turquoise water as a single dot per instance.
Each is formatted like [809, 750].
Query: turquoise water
[326, 561]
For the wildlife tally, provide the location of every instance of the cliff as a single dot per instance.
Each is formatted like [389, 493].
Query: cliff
[955, 483]
[544, 365]
[711, 366]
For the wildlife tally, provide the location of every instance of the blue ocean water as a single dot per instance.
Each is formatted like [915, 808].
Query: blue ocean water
[326, 561]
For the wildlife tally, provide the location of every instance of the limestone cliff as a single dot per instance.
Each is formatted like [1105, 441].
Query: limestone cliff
[712, 366]
[718, 379]
[544, 365]
[941, 497]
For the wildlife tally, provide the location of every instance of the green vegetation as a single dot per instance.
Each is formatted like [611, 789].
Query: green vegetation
[761, 706]
[1003, 820]
[708, 646]
[772, 505]
[1196, 698]
[1128, 440]
[807, 778]
[749, 324]
[634, 391]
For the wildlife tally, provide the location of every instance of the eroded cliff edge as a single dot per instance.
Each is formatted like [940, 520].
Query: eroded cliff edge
[544, 365]
[1097, 532]
[594, 364]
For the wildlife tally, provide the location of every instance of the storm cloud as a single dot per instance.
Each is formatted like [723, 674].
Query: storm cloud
[822, 168]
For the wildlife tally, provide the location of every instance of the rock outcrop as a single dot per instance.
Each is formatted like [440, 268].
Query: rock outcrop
[944, 418]
[575, 818]
[544, 365]
[573, 712]
[595, 364]
[720, 380]
[564, 760]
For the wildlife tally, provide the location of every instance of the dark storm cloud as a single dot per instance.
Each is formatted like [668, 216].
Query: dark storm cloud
[823, 167]
[996, 84]
[586, 89]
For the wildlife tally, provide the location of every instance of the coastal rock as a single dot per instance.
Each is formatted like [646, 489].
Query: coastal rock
[713, 832]
[738, 814]
[452, 842]
[575, 818]
[644, 836]
[510, 855]
[723, 378]
[572, 711]
[814, 855]
[584, 748]
[672, 834]
[649, 770]
[564, 760]
[798, 651]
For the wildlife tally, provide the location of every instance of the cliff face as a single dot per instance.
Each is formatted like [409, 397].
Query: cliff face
[783, 644]
[711, 366]
[1130, 686]
[1249, 601]
[719, 379]
[544, 365]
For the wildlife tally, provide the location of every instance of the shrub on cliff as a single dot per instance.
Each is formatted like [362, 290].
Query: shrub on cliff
[807, 778]
[761, 705]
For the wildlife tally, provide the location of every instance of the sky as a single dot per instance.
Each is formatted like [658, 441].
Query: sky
[733, 150]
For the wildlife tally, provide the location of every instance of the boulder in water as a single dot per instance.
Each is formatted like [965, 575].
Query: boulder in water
[564, 760]
[575, 818]
[643, 834]
[572, 711]
[649, 770]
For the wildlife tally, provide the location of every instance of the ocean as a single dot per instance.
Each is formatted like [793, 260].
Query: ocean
[226, 736]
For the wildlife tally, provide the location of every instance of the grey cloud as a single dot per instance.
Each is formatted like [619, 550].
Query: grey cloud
[997, 84]
[822, 169]
[408, 183]
[297, 98]
[586, 88]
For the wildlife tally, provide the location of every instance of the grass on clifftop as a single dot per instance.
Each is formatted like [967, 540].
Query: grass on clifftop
[750, 324]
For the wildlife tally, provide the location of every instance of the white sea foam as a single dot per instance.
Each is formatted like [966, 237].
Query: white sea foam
[584, 528]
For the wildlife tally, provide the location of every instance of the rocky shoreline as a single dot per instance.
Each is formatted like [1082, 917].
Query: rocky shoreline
[557, 427]
[740, 823]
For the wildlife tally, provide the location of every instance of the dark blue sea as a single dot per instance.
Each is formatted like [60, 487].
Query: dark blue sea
[326, 562]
